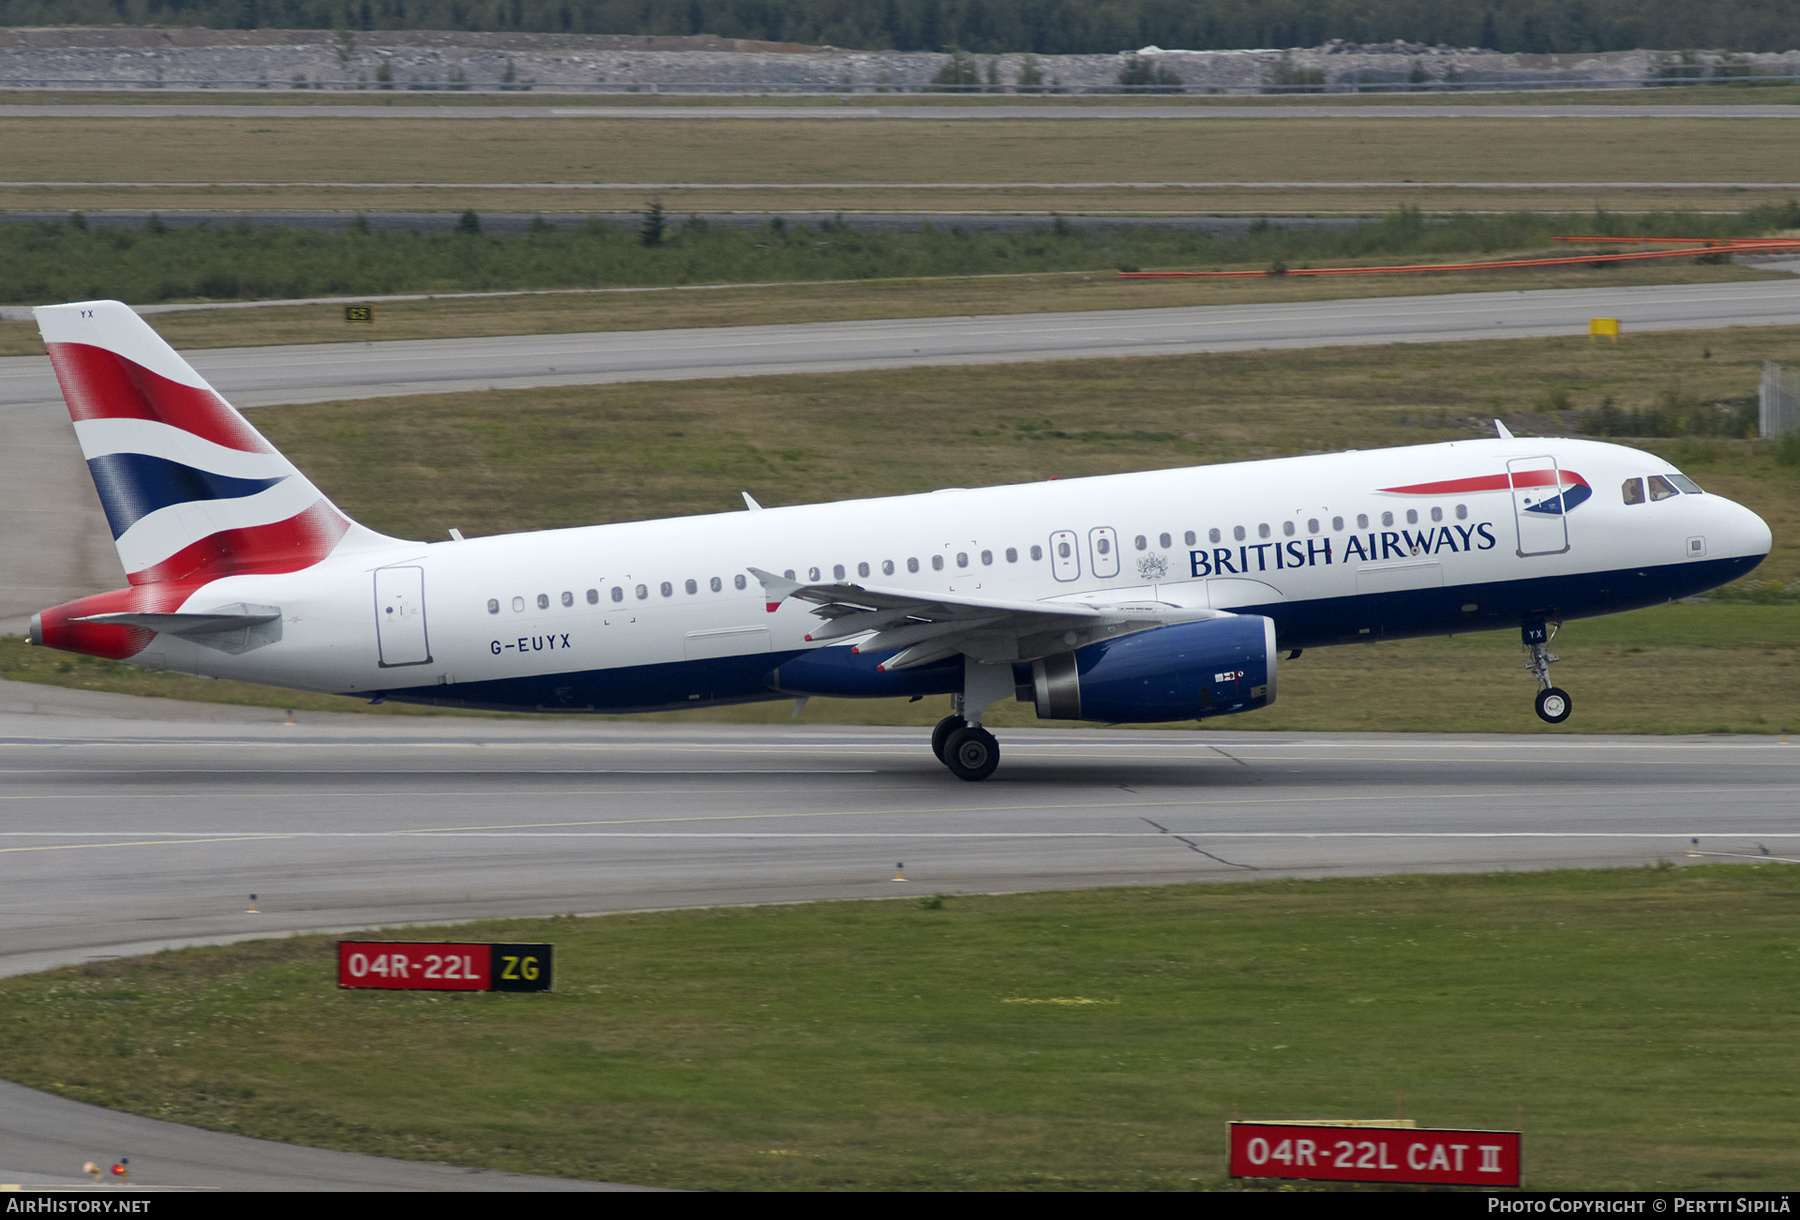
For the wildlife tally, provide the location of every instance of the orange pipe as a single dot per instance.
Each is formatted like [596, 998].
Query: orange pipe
[1738, 246]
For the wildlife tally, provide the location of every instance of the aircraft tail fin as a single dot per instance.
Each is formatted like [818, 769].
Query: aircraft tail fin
[191, 491]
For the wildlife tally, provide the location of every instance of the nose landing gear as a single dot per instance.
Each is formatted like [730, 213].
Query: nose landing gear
[1553, 703]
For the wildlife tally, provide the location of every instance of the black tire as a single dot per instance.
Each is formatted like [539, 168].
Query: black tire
[941, 735]
[972, 753]
[1554, 705]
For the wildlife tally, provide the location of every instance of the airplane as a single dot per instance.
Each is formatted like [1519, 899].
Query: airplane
[1161, 596]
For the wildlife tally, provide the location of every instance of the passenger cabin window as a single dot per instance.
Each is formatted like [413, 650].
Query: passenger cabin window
[1190, 538]
[937, 563]
[518, 605]
[987, 557]
[912, 565]
[1412, 516]
[618, 593]
[493, 605]
[812, 574]
[1661, 488]
[1012, 554]
[715, 584]
[642, 592]
[1262, 531]
[1287, 529]
[737, 582]
[1462, 512]
[543, 601]
[887, 567]
[837, 572]
[962, 559]
[789, 573]
[668, 590]
[1212, 535]
[1362, 521]
[862, 569]
[1437, 514]
[1237, 532]
[593, 597]
[1164, 541]
[1387, 518]
[1312, 525]
[1337, 525]
[692, 586]
[568, 598]
[1104, 545]
[1037, 552]
[1141, 542]
[1633, 491]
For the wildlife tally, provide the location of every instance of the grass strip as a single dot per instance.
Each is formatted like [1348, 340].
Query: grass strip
[232, 261]
[1075, 1040]
[238, 163]
[1365, 147]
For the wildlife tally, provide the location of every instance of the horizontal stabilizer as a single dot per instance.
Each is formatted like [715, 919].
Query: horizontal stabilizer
[211, 622]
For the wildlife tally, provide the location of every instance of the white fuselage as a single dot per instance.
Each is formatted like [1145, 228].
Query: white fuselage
[665, 613]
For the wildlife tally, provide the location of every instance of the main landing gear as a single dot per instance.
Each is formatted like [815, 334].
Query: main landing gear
[970, 751]
[1553, 703]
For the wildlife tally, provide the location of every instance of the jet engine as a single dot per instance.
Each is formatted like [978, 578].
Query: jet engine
[1180, 672]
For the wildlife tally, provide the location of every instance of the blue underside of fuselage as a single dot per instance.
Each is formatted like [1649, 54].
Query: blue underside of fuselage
[1303, 624]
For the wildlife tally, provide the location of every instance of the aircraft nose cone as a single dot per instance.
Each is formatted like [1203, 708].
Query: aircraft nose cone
[1746, 533]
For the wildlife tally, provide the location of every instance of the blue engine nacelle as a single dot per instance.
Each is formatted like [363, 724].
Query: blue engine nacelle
[1181, 672]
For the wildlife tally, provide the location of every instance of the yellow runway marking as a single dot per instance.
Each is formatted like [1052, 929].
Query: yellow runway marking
[146, 843]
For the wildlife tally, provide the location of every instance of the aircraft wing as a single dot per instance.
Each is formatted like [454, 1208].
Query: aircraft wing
[929, 627]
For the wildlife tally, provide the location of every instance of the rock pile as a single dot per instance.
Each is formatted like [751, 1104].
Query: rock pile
[415, 59]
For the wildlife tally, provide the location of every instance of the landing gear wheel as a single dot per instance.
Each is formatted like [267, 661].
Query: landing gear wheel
[941, 735]
[1554, 705]
[972, 753]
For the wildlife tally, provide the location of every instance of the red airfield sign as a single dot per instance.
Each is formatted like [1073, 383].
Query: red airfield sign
[436, 966]
[1332, 1153]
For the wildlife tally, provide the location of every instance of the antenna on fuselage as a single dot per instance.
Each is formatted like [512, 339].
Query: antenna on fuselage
[750, 502]
[1502, 429]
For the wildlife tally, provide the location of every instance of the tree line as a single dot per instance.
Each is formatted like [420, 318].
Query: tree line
[1047, 27]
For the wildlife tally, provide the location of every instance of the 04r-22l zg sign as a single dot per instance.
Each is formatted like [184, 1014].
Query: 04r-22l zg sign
[393, 965]
[1327, 1152]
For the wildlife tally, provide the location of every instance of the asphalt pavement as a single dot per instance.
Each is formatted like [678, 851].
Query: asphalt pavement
[134, 825]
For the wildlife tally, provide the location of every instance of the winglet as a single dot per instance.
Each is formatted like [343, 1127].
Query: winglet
[776, 589]
[750, 502]
[1503, 430]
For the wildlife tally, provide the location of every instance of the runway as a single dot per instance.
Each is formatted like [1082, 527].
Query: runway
[54, 542]
[123, 836]
[133, 825]
[263, 376]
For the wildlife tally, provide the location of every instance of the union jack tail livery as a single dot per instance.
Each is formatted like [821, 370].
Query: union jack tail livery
[191, 491]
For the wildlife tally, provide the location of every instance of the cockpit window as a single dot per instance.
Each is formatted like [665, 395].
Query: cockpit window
[1633, 490]
[1661, 488]
[1686, 484]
